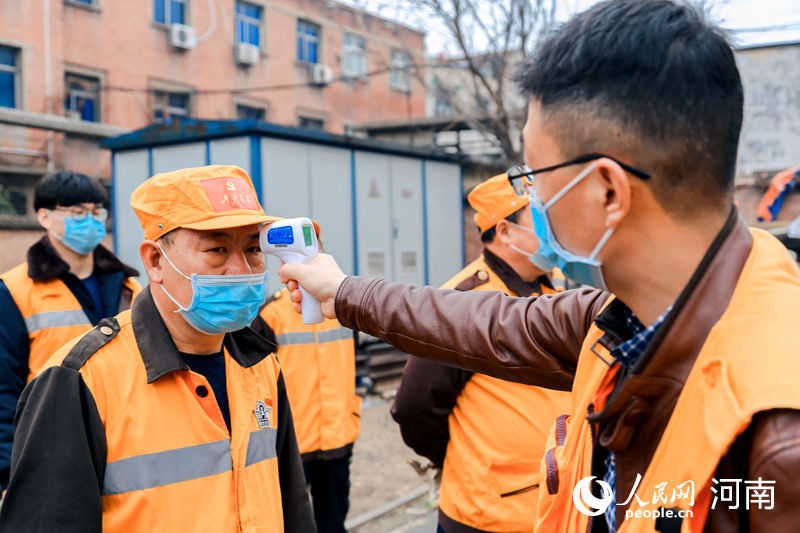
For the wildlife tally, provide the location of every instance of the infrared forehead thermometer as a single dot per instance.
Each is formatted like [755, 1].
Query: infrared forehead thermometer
[294, 240]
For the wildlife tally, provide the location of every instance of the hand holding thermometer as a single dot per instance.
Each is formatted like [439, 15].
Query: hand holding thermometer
[294, 240]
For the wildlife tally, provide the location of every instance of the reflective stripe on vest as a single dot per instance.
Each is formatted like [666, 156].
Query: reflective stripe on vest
[184, 464]
[55, 319]
[308, 337]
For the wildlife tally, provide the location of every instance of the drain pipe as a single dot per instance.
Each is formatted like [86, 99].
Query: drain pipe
[48, 83]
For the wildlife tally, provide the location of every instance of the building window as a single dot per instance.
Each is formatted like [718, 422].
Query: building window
[168, 104]
[307, 41]
[248, 23]
[87, 3]
[354, 61]
[311, 123]
[82, 97]
[246, 112]
[12, 202]
[399, 73]
[9, 76]
[169, 11]
[442, 107]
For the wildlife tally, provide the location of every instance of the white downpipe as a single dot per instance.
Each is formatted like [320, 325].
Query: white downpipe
[212, 25]
[48, 84]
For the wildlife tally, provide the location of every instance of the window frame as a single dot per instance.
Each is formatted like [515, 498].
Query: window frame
[16, 72]
[246, 19]
[91, 5]
[98, 100]
[167, 5]
[165, 108]
[309, 118]
[244, 105]
[306, 38]
[396, 70]
[349, 50]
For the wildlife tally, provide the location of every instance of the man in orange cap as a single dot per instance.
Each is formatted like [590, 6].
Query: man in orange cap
[172, 416]
[487, 435]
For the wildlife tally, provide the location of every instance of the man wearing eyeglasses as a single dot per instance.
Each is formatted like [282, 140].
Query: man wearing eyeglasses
[68, 284]
[683, 362]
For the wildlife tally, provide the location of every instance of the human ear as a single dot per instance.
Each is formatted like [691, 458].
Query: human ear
[502, 230]
[617, 191]
[45, 218]
[151, 258]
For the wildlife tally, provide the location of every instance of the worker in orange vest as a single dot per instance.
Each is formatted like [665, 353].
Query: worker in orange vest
[67, 285]
[319, 367]
[486, 434]
[171, 416]
[683, 361]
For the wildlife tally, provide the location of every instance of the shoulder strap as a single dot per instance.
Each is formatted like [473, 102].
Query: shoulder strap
[477, 279]
[92, 341]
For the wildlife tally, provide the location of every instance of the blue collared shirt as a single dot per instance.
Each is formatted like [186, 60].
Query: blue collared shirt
[627, 354]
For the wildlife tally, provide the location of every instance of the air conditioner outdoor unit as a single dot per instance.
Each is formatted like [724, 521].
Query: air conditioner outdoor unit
[246, 54]
[321, 75]
[182, 36]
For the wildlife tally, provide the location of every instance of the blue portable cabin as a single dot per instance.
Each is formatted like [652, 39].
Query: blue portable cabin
[385, 210]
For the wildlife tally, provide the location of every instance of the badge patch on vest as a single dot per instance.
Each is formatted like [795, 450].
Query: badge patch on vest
[262, 412]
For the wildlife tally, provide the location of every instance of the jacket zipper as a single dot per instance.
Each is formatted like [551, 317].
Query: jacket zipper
[550, 457]
[592, 431]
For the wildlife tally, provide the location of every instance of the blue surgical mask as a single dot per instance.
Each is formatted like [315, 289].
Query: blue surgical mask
[221, 303]
[582, 269]
[82, 236]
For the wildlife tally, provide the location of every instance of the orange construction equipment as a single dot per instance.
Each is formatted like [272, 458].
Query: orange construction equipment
[772, 201]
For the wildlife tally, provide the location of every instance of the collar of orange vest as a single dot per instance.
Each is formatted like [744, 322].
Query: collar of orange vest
[511, 279]
[159, 353]
[45, 263]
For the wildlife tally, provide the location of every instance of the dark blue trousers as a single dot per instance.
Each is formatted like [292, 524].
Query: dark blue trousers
[329, 480]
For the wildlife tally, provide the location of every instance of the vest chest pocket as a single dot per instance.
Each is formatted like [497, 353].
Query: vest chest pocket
[512, 479]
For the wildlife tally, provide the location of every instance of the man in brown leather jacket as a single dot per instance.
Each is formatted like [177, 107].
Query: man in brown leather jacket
[634, 117]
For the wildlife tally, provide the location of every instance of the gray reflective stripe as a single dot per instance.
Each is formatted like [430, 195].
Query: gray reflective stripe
[301, 337]
[261, 446]
[167, 467]
[54, 319]
[307, 337]
[334, 335]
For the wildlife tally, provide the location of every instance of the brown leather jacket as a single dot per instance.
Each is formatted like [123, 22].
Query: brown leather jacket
[537, 341]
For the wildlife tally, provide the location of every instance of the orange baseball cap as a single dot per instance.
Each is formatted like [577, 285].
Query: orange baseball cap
[202, 198]
[494, 200]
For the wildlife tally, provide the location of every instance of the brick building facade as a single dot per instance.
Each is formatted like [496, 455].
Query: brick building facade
[75, 71]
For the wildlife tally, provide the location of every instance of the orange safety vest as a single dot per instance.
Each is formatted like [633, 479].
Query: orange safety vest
[319, 369]
[171, 463]
[724, 389]
[51, 312]
[490, 476]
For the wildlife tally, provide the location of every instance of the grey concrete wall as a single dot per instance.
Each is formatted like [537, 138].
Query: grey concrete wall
[770, 138]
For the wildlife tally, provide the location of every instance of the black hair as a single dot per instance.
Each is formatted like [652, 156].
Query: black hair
[68, 188]
[663, 83]
[489, 235]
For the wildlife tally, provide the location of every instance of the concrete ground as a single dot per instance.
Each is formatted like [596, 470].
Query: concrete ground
[380, 472]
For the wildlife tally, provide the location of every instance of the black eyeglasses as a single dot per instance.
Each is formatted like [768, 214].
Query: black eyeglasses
[521, 176]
